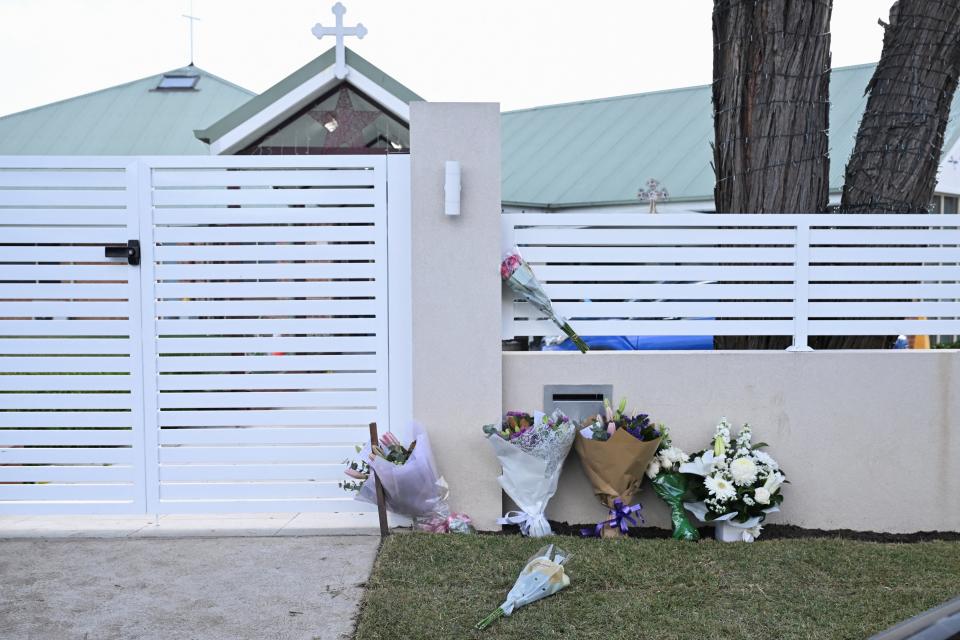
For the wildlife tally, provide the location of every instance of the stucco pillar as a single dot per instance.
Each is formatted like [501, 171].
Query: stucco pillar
[456, 296]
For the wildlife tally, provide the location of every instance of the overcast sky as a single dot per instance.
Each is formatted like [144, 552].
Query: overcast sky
[520, 53]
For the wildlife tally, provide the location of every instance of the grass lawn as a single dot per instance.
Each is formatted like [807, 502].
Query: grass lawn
[439, 586]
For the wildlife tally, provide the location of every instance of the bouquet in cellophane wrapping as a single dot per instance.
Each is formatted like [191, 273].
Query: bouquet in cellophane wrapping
[518, 275]
[412, 486]
[615, 449]
[543, 576]
[671, 485]
[531, 450]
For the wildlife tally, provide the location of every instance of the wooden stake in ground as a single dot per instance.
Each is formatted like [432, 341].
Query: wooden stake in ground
[381, 501]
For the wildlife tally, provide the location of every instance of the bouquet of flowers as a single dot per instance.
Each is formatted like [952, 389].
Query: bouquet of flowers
[543, 576]
[531, 451]
[671, 485]
[519, 277]
[616, 448]
[733, 484]
[412, 486]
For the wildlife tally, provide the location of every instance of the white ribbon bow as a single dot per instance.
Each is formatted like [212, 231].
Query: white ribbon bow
[532, 525]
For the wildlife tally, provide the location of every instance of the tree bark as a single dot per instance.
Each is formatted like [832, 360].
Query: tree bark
[771, 114]
[893, 167]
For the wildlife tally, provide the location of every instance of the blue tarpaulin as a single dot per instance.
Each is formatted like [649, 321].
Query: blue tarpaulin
[639, 343]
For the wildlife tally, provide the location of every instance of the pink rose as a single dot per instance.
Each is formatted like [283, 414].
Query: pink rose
[509, 265]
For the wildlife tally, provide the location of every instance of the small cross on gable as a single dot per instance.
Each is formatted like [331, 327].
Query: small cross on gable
[339, 31]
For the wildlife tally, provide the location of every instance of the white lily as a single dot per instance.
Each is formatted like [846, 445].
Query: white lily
[701, 465]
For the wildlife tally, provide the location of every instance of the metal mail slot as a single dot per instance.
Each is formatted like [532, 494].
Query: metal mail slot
[577, 401]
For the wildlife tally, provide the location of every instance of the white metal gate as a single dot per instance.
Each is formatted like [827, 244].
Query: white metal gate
[234, 368]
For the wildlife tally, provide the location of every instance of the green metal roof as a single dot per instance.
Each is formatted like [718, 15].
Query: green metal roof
[599, 152]
[128, 119]
[243, 113]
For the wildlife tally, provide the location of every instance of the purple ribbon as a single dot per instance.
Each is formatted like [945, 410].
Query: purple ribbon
[619, 517]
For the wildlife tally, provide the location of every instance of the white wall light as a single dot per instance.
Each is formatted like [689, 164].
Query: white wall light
[451, 188]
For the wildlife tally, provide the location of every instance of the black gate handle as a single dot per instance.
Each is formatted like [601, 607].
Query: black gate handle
[130, 251]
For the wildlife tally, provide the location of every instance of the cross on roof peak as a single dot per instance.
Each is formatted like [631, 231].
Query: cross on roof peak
[340, 69]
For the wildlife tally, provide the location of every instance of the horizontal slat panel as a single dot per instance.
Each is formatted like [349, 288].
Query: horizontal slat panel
[77, 346]
[538, 254]
[885, 254]
[65, 400]
[266, 381]
[870, 290]
[51, 254]
[66, 235]
[62, 197]
[884, 309]
[884, 236]
[263, 399]
[125, 491]
[82, 455]
[280, 271]
[248, 491]
[245, 308]
[119, 271]
[883, 273]
[80, 218]
[338, 344]
[223, 437]
[248, 252]
[266, 215]
[577, 236]
[327, 289]
[693, 291]
[64, 309]
[66, 437]
[266, 363]
[66, 383]
[625, 310]
[54, 290]
[276, 417]
[74, 508]
[62, 178]
[282, 326]
[250, 472]
[76, 419]
[264, 455]
[883, 327]
[591, 273]
[254, 196]
[661, 328]
[100, 327]
[71, 364]
[69, 473]
[257, 178]
[282, 233]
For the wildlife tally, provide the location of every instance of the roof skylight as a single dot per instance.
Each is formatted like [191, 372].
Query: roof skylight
[172, 82]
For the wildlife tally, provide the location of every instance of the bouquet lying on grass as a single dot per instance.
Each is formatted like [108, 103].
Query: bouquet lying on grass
[412, 486]
[616, 448]
[671, 485]
[543, 576]
[531, 450]
[520, 278]
[733, 484]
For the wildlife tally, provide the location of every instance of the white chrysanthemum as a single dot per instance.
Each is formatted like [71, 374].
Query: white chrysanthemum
[743, 471]
[720, 488]
[766, 460]
[653, 469]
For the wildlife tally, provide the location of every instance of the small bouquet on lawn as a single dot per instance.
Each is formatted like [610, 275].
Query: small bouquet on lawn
[671, 485]
[616, 448]
[733, 485]
[531, 451]
[518, 275]
[412, 486]
[543, 576]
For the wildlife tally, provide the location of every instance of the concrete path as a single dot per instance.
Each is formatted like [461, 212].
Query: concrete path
[230, 588]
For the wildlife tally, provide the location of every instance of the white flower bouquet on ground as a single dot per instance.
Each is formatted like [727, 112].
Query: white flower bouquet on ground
[733, 485]
[531, 450]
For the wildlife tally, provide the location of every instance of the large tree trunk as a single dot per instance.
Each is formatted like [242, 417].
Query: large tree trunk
[893, 167]
[771, 111]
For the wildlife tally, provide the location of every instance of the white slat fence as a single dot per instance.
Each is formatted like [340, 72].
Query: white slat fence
[728, 274]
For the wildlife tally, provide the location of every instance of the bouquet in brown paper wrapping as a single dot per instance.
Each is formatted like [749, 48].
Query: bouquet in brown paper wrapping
[615, 449]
